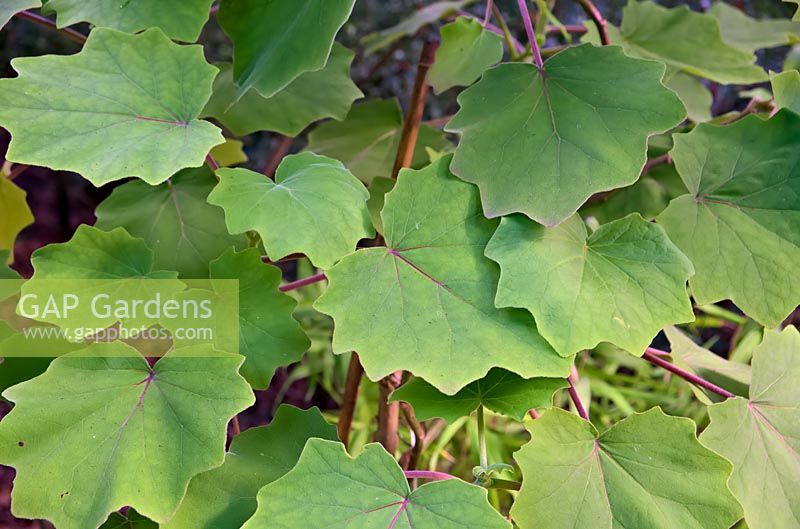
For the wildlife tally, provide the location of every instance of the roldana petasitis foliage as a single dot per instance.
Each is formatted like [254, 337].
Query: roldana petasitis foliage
[599, 192]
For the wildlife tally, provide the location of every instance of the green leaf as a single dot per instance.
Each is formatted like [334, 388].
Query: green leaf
[325, 93]
[179, 19]
[276, 41]
[786, 87]
[409, 26]
[621, 284]
[740, 224]
[761, 435]
[129, 520]
[314, 207]
[695, 96]
[174, 219]
[98, 431]
[378, 188]
[130, 109]
[500, 391]
[5, 271]
[647, 472]
[269, 337]
[125, 264]
[367, 140]
[14, 213]
[229, 153]
[368, 492]
[224, 498]
[733, 376]
[685, 40]
[9, 8]
[543, 147]
[467, 50]
[427, 300]
[753, 34]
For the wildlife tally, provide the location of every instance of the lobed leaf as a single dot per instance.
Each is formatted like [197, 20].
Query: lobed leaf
[740, 222]
[648, 471]
[425, 303]
[368, 492]
[98, 431]
[541, 143]
[621, 284]
[761, 435]
[467, 49]
[14, 213]
[126, 105]
[315, 207]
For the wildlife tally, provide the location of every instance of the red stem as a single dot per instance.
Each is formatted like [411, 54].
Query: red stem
[300, 283]
[653, 356]
[526, 18]
[277, 155]
[354, 373]
[597, 18]
[427, 474]
[488, 16]
[576, 399]
[46, 22]
[212, 163]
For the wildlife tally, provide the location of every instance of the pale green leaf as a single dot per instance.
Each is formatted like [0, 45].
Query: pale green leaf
[695, 95]
[542, 147]
[184, 232]
[368, 492]
[229, 153]
[378, 188]
[314, 207]
[761, 435]
[500, 391]
[621, 284]
[124, 263]
[467, 50]
[786, 88]
[366, 141]
[425, 303]
[5, 271]
[9, 8]
[14, 213]
[130, 109]
[647, 472]
[325, 93]
[740, 224]
[685, 40]
[98, 431]
[686, 354]
[277, 40]
[752, 34]
[269, 337]
[224, 498]
[409, 26]
[178, 19]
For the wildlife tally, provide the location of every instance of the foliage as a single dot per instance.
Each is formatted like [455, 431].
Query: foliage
[519, 244]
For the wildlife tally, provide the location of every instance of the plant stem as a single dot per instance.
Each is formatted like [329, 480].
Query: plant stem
[652, 356]
[600, 22]
[515, 48]
[235, 423]
[212, 163]
[300, 283]
[533, 413]
[408, 139]
[277, 155]
[526, 18]
[411, 458]
[428, 474]
[488, 16]
[47, 23]
[388, 413]
[484, 458]
[576, 399]
[354, 373]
